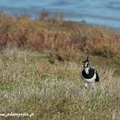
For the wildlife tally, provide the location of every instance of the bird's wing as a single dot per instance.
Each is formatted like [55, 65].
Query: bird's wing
[97, 77]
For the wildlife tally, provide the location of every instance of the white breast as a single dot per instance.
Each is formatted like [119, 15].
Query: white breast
[90, 80]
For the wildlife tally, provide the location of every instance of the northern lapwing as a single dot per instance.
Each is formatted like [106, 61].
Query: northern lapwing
[89, 75]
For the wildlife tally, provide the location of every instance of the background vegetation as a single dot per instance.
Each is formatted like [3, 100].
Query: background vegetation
[57, 38]
[40, 68]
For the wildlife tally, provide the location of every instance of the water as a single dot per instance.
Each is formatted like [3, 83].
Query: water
[97, 12]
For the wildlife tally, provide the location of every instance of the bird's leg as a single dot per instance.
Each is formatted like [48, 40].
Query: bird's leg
[93, 84]
[85, 85]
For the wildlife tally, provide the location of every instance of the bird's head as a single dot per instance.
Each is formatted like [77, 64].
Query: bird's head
[86, 63]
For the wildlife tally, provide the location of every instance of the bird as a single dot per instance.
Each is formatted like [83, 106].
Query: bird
[89, 74]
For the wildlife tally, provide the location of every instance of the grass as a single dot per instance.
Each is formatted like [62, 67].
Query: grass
[59, 39]
[40, 69]
[31, 84]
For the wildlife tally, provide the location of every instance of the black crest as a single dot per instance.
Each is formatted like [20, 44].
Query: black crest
[87, 60]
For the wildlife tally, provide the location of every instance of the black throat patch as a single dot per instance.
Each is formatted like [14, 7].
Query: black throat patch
[90, 75]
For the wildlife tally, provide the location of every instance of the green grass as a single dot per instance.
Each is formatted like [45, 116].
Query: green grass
[113, 63]
[29, 83]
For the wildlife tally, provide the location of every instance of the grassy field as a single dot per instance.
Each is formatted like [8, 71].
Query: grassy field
[40, 69]
[31, 84]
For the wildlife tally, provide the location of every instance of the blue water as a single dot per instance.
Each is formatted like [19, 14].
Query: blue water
[96, 12]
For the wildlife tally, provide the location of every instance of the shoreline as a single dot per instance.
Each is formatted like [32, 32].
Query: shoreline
[55, 15]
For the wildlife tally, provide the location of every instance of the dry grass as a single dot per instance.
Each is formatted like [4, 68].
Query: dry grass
[29, 83]
[61, 40]
[40, 67]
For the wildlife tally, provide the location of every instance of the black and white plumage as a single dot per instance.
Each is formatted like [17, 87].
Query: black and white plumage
[89, 75]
